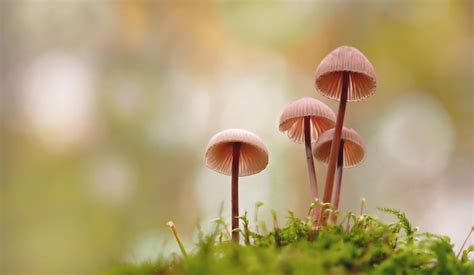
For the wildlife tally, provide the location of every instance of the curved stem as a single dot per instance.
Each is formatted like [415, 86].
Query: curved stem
[235, 191]
[171, 225]
[337, 191]
[335, 143]
[464, 243]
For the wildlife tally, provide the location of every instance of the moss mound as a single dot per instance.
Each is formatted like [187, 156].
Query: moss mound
[359, 244]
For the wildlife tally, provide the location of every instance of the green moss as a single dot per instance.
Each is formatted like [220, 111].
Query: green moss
[359, 244]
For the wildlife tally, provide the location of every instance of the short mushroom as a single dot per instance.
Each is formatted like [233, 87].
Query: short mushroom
[303, 121]
[351, 153]
[237, 153]
[345, 75]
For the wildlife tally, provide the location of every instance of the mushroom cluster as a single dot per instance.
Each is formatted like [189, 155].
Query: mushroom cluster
[344, 75]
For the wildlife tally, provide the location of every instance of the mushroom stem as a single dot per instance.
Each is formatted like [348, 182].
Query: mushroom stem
[335, 143]
[235, 191]
[309, 158]
[313, 184]
[337, 192]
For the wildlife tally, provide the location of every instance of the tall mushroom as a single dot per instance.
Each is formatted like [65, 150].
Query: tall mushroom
[303, 121]
[345, 75]
[236, 152]
[351, 153]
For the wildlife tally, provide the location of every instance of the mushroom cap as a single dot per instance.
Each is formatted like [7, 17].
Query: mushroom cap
[354, 148]
[253, 152]
[362, 78]
[292, 118]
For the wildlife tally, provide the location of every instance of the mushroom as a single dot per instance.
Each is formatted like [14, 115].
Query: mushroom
[303, 121]
[345, 75]
[237, 153]
[351, 153]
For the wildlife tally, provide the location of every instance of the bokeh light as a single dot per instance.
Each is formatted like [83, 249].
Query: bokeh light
[112, 180]
[416, 137]
[58, 100]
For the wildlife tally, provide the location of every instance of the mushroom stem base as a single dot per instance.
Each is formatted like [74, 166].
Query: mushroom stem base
[337, 191]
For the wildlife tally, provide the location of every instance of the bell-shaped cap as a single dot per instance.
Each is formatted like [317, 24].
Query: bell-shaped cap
[354, 148]
[362, 78]
[292, 118]
[253, 152]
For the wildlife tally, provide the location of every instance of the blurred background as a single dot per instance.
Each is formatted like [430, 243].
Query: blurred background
[107, 108]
